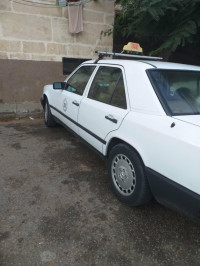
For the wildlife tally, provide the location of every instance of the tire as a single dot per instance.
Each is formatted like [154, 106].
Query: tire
[127, 176]
[48, 117]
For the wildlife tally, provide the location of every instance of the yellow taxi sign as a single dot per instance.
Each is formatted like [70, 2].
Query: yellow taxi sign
[132, 47]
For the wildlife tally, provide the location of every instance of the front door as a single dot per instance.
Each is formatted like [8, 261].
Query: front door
[72, 96]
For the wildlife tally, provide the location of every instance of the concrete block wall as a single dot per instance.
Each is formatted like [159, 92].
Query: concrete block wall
[33, 41]
[21, 84]
[42, 34]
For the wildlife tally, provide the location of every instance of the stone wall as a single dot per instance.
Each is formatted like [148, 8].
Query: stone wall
[33, 41]
[42, 34]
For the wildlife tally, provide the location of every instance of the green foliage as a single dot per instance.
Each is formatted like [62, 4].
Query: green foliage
[165, 23]
[106, 32]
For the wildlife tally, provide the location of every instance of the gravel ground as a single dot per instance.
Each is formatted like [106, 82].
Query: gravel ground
[56, 208]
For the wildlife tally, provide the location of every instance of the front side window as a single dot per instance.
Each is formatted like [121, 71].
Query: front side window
[108, 87]
[79, 80]
[178, 90]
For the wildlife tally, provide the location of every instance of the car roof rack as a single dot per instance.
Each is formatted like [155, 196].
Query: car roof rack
[102, 54]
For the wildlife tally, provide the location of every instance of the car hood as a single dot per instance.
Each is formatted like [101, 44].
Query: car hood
[192, 119]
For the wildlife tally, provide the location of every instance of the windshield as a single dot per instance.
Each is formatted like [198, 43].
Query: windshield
[178, 90]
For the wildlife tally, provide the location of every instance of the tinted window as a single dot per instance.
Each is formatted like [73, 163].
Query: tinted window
[79, 80]
[178, 90]
[108, 87]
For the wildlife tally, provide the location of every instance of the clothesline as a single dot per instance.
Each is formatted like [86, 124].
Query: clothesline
[77, 3]
[50, 3]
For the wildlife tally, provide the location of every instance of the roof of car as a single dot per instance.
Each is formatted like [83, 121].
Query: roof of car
[146, 64]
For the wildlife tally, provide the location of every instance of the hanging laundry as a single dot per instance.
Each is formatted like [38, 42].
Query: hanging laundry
[75, 14]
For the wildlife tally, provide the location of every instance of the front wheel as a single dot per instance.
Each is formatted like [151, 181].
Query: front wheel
[48, 117]
[127, 176]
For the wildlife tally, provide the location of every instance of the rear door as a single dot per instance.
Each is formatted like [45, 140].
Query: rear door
[105, 106]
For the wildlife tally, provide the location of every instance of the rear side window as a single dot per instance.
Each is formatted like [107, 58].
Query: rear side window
[108, 87]
[79, 80]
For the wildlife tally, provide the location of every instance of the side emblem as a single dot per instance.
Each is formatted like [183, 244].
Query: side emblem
[65, 105]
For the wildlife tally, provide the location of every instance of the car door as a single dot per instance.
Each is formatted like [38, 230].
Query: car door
[71, 96]
[105, 106]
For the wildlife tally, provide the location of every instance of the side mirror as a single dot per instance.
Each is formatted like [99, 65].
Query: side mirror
[59, 85]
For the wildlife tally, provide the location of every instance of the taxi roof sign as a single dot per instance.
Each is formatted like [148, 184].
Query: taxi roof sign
[132, 47]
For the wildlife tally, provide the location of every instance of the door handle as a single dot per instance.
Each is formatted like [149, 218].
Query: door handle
[111, 118]
[75, 103]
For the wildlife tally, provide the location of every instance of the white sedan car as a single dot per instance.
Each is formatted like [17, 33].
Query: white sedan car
[144, 118]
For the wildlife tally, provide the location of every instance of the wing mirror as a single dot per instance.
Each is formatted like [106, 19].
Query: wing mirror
[59, 85]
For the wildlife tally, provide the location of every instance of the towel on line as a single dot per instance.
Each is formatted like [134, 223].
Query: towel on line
[75, 13]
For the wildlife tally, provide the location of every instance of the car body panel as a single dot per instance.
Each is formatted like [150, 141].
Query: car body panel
[171, 151]
[191, 119]
[93, 116]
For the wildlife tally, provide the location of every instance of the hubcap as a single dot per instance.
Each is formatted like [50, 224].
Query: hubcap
[123, 174]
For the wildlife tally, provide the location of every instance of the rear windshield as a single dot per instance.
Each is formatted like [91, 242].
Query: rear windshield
[178, 90]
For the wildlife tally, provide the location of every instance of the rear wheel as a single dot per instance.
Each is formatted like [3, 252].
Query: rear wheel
[48, 117]
[127, 176]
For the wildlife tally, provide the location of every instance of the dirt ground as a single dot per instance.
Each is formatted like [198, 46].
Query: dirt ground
[56, 208]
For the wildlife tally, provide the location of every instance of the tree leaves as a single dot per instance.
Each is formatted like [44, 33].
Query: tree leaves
[170, 23]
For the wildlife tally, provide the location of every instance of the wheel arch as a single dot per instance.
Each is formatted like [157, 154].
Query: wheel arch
[116, 141]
